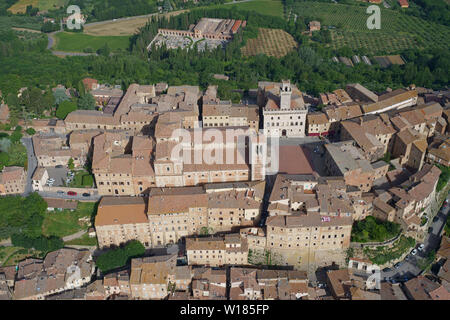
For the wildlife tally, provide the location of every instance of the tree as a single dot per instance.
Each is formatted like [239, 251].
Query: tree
[30, 131]
[104, 51]
[15, 136]
[70, 164]
[60, 95]
[119, 257]
[65, 108]
[86, 102]
[4, 160]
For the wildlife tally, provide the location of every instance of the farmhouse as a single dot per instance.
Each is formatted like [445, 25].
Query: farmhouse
[403, 3]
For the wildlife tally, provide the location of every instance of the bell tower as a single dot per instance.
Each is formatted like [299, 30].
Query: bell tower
[285, 95]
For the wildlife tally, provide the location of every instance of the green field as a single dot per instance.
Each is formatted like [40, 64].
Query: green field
[77, 42]
[33, 23]
[398, 31]
[51, 4]
[64, 223]
[84, 240]
[267, 7]
[21, 5]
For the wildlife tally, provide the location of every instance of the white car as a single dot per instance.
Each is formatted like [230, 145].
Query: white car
[413, 252]
[421, 247]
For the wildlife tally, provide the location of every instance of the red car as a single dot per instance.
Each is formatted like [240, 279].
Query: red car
[71, 193]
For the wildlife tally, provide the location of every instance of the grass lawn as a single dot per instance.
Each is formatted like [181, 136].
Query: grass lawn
[82, 179]
[77, 42]
[267, 7]
[85, 240]
[64, 223]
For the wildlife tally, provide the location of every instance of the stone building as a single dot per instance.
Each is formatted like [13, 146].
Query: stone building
[371, 133]
[119, 220]
[347, 160]
[150, 276]
[172, 213]
[53, 150]
[12, 180]
[317, 124]
[284, 110]
[308, 239]
[217, 251]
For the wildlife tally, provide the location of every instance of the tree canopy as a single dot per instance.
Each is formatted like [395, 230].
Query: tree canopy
[119, 257]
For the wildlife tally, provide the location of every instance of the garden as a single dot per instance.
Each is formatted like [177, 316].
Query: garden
[67, 222]
[384, 254]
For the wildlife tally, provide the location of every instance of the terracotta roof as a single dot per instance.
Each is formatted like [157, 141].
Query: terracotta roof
[175, 200]
[210, 243]
[12, 174]
[339, 280]
[390, 99]
[123, 210]
[307, 220]
[317, 118]
[444, 248]
[420, 287]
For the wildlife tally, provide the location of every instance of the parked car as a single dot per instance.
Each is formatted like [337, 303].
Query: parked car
[59, 166]
[436, 218]
[386, 269]
[60, 192]
[421, 247]
[86, 194]
[413, 252]
[397, 265]
[71, 193]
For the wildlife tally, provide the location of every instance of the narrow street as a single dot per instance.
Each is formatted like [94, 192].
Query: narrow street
[409, 267]
[32, 164]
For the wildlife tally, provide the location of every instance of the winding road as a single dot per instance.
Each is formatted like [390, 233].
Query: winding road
[409, 266]
[52, 41]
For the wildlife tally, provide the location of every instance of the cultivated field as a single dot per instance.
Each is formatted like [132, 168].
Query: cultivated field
[121, 27]
[51, 4]
[398, 31]
[272, 42]
[77, 42]
[21, 5]
[267, 7]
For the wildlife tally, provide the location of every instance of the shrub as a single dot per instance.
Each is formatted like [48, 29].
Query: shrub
[30, 131]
